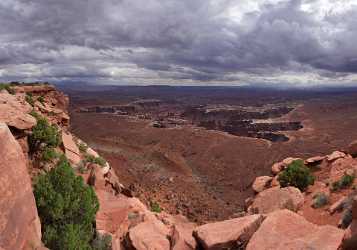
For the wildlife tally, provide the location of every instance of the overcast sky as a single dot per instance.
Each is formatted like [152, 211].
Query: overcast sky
[292, 42]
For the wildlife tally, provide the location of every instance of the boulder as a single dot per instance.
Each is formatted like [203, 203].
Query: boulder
[341, 166]
[277, 168]
[20, 226]
[338, 205]
[70, 148]
[284, 229]
[149, 235]
[14, 111]
[228, 234]
[286, 162]
[335, 155]
[261, 183]
[352, 148]
[277, 198]
[314, 160]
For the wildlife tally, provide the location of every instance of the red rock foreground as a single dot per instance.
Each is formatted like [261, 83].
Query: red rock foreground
[267, 224]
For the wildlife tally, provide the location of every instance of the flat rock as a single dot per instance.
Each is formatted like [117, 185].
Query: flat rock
[283, 230]
[149, 235]
[71, 148]
[314, 160]
[14, 111]
[277, 198]
[227, 234]
[261, 183]
[335, 155]
[19, 223]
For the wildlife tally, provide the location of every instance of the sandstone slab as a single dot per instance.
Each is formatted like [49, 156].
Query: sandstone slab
[277, 198]
[70, 148]
[227, 234]
[284, 229]
[261, 183]
[14, 111]
[19, 222]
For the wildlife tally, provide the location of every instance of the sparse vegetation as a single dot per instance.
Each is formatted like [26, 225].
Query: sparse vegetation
[320, 200]
[345, 182]
[82, 147]
[96, 160]
[296, 175]
[7, 87]
[155, 207]
[29, 99]
[41, 99]
[43, 133]
[102, 242]
[67, 208]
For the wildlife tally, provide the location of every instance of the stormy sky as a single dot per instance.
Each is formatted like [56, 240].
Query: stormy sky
[228, 42]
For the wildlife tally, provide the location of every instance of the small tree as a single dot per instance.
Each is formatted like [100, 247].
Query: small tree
[67, 208]
[44, 133]
[297, 175]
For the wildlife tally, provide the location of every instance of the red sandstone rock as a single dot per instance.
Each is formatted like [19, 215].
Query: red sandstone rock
[70, 147]
[227, 234]
[149, 235]
[20, 227]
[14, 111]
[277, 198]
[335, 155]
[277, 168]
[289, 160]
[261, 183]
[340, 166]
[338, 205]
[285, 230]
[314, 160]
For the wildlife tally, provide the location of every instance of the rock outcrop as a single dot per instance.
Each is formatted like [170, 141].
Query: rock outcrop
[229, 234]
[283, 230]
[261, 183]
[277, 198]
[14, 111]
[20, 227]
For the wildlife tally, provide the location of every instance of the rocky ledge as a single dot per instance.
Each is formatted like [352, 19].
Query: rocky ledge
[277, 217]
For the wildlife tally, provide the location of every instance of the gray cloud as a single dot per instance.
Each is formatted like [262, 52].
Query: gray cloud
[152, 41]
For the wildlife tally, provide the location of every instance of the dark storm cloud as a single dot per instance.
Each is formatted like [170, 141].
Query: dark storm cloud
[196, 40]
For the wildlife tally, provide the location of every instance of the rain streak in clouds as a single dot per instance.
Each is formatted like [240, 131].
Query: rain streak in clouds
[291, 42]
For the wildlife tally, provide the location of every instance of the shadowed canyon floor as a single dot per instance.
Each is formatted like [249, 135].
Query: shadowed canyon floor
[206, 174]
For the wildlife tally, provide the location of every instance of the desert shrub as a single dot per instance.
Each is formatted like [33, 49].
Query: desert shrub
[29, 99]
[102, 242]
[297, 175]
[346, 218]
[49, 154]
[82, 147]
[155, 207]
[66, 207]
[345, 182]
[41, 99]
[320, 200]
[35, 114]
[44, 133]
[96, 160]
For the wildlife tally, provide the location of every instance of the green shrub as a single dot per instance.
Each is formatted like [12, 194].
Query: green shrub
[345, 182]
[82, 147]
[41, 99]
[66, 207]
[45, 133]
[29, 99]
[35, 114]
[96, 160]
[297, 175]
[155, 207]
[49, 154]
[320, 200]
[102, 242]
